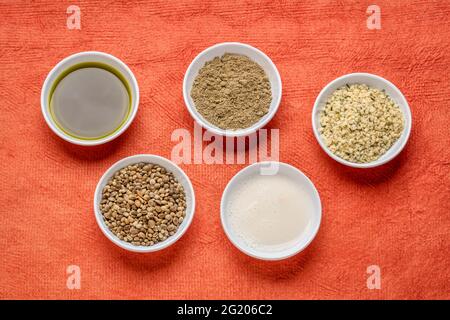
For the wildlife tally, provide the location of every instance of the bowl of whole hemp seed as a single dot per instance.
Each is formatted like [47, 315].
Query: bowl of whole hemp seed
[232, 89]
[144, 203]
[361, 120]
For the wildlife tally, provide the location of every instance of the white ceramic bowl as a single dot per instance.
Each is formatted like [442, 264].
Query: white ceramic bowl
[217, 51]
[285, 169]
[372, 81]
[179, 175]
[89, 56]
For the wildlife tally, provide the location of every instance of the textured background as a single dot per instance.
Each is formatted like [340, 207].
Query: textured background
[396, 216]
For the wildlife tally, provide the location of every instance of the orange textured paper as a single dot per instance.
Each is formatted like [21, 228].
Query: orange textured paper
[396, 216]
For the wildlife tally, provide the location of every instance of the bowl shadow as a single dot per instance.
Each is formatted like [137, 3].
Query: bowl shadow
[148, 262]
[91, 153]
[275, 270]
[376, 175]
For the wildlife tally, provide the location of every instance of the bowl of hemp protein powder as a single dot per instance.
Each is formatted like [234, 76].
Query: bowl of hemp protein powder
[232, 89]
[361, 120]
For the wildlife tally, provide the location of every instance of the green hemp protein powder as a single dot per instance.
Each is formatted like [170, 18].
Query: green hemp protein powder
[232, 92]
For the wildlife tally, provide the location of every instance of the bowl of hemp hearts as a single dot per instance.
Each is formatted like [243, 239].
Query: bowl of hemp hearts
[232, 89]
[361, 120]
[144, 203]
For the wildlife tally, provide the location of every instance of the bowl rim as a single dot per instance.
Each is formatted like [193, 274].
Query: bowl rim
[406, 113]
[232, 133]
[134, 107]
[270, 256]
[160, 245]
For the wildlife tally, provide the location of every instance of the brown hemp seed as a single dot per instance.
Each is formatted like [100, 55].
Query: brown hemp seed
[143, 204]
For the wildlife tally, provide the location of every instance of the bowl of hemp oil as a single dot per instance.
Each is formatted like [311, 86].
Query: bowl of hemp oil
[89, 98]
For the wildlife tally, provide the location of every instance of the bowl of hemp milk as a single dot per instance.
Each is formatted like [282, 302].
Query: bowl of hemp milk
[270, 210]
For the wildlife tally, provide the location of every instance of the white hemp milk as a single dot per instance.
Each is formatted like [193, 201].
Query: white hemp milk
[270, 212]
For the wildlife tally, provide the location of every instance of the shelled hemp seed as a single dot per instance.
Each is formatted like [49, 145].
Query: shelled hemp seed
[360, 123]
[143, 204]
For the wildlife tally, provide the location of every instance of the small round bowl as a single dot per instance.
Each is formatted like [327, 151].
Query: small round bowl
[372, 81]
[82, 57]
[217, 51]
[179, 175]
[270, 168]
